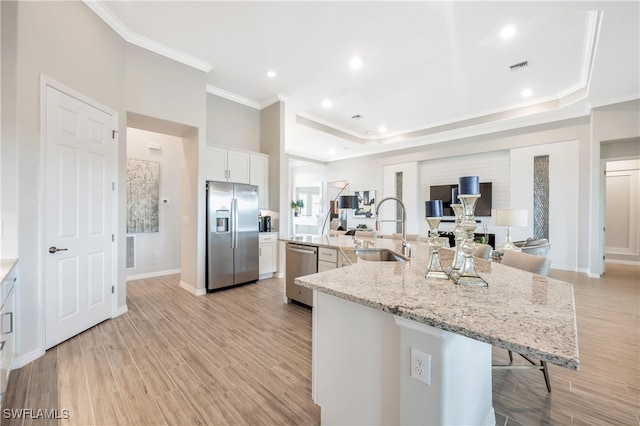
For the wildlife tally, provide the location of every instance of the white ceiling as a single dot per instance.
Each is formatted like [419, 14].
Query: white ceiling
[432, 71]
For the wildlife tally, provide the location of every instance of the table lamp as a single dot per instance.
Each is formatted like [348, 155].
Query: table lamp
[509, 218]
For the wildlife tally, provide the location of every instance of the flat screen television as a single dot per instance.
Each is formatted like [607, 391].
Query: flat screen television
[443, 192]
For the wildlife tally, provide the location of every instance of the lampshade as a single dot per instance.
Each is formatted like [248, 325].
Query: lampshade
[348, 202]
[509, 217]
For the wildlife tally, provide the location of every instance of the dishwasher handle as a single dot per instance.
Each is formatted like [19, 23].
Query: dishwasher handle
[302, 251]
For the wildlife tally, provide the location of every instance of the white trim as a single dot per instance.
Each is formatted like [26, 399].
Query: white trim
[623, 262]
[594, 275]
[122, 310]
[193, 290]
[277, 98]
[45, 82]
[99, 8]
[153, 274]
[25, 359]
[232, 97]
[490, 420]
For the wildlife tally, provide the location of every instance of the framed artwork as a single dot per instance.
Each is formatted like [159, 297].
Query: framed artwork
[366, 204]
[143, 194]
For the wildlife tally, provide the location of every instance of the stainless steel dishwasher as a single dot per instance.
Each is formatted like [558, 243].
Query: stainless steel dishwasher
[301, 260]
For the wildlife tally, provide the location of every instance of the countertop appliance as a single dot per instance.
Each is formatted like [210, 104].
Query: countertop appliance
[301, 260]
[232, 234]
[266, 223]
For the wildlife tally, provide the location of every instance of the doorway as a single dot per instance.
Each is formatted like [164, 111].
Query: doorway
[80, 142]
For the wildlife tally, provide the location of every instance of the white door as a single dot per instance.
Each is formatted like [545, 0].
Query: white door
[79, 172]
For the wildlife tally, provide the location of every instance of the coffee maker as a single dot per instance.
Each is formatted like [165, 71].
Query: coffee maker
[266, 223]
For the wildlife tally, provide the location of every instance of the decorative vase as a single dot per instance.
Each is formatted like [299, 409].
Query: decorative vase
[467, 274]
[460, 235]
[433, 215]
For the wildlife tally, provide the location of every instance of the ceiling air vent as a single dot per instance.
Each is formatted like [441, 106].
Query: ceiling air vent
[356, 116]
[519, 65]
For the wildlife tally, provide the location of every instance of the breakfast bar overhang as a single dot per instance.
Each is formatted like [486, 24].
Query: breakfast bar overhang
[367, 318]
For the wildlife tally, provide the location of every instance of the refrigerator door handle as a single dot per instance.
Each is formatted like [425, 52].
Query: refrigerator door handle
[234, 223]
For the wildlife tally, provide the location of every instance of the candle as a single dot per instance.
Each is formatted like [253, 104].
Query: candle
[469, 185]
[454, 196]
[433, 208]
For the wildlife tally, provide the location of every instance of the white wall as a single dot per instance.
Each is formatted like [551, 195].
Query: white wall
[101, 66]
[368, 171]
[232, 124]
[489, 167]
[610, 123]
[622, 211]
[158, 253]
[563, 198]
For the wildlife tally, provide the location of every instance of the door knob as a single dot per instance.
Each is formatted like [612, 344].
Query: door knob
[54, 249]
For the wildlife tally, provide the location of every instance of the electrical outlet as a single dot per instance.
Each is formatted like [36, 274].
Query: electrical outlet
[156, 254]
[421, 366]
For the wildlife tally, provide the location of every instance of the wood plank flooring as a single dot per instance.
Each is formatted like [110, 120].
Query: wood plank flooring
[242, 356]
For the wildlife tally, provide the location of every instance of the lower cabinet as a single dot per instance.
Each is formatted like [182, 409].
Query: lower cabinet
[268, 254]
[7, 328]
[327, 259]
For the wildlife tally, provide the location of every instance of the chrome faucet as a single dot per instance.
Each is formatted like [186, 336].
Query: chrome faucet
[406, 249]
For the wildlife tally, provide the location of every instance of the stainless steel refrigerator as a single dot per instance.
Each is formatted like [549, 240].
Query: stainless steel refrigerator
[232, 234]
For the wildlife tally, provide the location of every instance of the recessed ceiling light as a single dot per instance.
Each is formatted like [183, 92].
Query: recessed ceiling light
[508, 32]
[382, 129]
[332, 151]
[526, 93]
[327, 103]
[271, 74]
[355, 63]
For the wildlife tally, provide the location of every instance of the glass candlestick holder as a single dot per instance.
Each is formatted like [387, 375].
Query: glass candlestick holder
[460, 235]
[434, 268]
[467, 274]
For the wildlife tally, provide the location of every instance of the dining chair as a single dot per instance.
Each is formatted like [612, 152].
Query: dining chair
[366, 234]
[536, 265]
[410, 237]
[483, 251]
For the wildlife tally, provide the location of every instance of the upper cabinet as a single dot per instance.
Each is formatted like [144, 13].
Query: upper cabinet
[260, 178]
[227, 166]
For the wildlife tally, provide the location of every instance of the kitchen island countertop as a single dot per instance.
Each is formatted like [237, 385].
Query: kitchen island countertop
[518, 311]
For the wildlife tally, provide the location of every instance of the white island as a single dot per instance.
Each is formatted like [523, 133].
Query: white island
[367, 318]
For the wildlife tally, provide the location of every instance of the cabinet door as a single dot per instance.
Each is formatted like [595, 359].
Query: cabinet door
[267, 258]
[260, 177]
[216, 164]
[325, 266]
[238, 166]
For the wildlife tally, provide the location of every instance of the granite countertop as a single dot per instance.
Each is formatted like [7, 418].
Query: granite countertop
[519, 311]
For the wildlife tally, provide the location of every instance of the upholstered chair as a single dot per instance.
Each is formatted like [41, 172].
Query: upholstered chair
[483, 251]
[536, 265]
[527, 262]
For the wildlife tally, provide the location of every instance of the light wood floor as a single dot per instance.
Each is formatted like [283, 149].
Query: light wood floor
[242, 356]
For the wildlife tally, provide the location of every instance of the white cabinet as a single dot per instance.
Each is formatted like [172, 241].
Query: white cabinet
[268, 257]
[226, 165]
[260, 178]
[327, 259]
[7, 324]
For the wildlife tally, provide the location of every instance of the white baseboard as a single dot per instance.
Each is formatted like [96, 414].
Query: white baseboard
[280, 274]
[623, 262]
[265, 276]
[490, 420]
[593, 275]
[121, 310]
[25, 359]
[153, 274]
[193, 290]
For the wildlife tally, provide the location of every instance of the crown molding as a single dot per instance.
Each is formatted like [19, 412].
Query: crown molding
[98, 7]
[233, 97]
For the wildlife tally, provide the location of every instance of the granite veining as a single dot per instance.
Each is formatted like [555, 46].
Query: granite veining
[519, 311]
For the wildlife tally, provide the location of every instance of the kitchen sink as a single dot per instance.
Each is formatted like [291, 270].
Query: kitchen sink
[379, 255]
